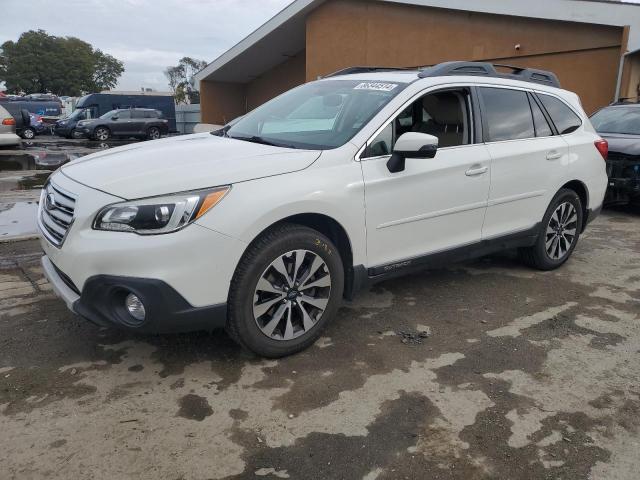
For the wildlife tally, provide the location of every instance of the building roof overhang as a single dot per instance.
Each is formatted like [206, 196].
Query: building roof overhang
[284, 35]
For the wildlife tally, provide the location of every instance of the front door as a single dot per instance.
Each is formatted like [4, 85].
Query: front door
[434, 204]
[122, 125]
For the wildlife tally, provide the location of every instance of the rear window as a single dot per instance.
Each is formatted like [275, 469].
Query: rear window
[507, 114]
[624, 120]
[563, 117]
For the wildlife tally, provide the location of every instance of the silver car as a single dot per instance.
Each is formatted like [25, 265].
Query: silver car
[8, 135]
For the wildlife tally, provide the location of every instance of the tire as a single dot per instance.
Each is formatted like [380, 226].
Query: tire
[102, 134]
[28, 133]
[153, 133]
[552, 248]
[258, 317]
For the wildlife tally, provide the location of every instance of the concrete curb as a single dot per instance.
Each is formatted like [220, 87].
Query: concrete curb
[19, 238]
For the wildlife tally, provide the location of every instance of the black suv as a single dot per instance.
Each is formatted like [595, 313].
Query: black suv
[131, 122]
[619, 124]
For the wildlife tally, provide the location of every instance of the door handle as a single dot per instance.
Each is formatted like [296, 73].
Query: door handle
[476, 171]
[553, 155]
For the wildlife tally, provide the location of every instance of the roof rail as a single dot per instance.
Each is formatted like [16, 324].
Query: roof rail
[352, 70]
[489, 70]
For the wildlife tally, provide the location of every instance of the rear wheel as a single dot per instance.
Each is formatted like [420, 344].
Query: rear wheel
[559, 232]
[101, 133]
[285, 290]
[28, 133]
[153, 133]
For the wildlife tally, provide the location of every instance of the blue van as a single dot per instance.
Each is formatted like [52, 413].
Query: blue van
[95, 105]
[44, 108]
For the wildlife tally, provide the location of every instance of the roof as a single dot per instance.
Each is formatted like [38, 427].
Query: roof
[284, 35]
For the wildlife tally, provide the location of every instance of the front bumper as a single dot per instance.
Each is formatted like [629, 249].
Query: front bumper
[62, 131]
[102, 302]
[184, 276]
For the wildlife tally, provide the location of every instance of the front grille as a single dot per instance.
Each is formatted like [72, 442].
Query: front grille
[55, 214]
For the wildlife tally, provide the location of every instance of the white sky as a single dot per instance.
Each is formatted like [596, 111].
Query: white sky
[147, 35]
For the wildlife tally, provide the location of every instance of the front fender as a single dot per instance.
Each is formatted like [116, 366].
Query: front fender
[253, 206]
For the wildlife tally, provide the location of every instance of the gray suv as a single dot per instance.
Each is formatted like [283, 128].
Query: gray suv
[132, 122]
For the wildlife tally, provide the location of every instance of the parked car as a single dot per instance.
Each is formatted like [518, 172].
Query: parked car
[263, 227]
[35, 127]
[620, 125]
[8, 135]
[95, 105]
[134, 122]
[21, 116]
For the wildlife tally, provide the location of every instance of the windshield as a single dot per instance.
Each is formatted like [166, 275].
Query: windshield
[318, 116]
[625, 120]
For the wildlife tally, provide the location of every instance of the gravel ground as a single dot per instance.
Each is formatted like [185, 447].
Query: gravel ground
[484, 370]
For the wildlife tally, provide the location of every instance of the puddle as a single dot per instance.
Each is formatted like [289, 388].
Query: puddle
[35, 160]
[17, 219]
[24, 171]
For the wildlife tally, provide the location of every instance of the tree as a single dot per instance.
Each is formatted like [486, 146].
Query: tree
[39, 62]
[181, 79]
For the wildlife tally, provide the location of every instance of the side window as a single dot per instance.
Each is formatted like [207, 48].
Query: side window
[565, 119]
[539, 121]
[442, 114]
[507, 114]
[124, 115]
[137, 114]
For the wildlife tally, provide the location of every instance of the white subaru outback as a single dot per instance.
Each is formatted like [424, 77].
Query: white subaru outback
[264, 226]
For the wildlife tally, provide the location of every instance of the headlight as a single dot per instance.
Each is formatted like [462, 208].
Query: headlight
[149, 216]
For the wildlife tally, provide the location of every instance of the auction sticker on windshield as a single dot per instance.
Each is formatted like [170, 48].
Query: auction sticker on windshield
[383, 87]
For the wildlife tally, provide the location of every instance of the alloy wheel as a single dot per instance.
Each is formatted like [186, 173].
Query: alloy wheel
[28, 134]
[102, 134]
[561, 231]
[154, 133]
[291, 295]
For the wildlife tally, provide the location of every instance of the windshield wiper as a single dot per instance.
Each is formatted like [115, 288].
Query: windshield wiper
[263, 141]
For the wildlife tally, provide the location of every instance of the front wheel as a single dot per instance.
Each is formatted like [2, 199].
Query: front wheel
[102, 134]
[559, 232]
[286, 289]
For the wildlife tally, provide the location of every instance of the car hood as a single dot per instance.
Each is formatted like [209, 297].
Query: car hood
[183, 163]
[623, 144]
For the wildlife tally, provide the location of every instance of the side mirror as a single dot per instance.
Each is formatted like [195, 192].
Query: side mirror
[114, 118]
[412, 145]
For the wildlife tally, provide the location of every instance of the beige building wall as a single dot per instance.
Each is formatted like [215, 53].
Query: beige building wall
[344, 33]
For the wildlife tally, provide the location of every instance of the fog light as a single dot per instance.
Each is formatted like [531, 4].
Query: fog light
[135, 307]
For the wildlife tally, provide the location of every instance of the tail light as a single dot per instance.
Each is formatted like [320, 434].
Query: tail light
[9, 121]
[603, 147]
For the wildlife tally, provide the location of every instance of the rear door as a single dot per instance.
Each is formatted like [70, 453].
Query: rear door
[139, 122]
[527, 160]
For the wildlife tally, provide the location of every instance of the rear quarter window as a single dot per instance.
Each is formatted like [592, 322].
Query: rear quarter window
[565, 119]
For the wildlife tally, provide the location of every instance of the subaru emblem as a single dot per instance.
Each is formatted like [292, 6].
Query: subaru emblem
[50, 201]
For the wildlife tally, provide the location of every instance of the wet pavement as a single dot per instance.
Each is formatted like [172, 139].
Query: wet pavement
[484, 370]
[24, 170]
